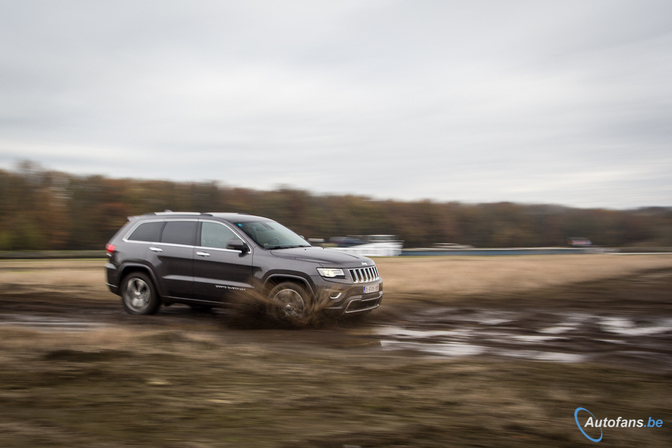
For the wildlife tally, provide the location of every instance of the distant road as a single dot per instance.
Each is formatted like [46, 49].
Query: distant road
[52, 254]
[507, 251]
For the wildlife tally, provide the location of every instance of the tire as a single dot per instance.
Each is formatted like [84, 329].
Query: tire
[138, 295]
[290, 300]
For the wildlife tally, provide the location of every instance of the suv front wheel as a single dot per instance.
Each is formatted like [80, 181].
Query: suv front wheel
[290, 299]
[138, 294]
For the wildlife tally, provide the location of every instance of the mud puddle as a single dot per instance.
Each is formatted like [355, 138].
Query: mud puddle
[48, 323]
[533, 334]
[642, 341]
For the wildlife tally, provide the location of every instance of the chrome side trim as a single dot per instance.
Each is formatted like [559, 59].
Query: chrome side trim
[142, 221]
[218, 249]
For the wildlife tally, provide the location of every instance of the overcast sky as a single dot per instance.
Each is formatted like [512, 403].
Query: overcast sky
[526, 101]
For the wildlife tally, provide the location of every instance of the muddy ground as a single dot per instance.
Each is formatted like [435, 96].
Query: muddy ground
[482, 366]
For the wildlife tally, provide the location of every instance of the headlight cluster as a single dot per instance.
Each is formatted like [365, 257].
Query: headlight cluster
[331, 273]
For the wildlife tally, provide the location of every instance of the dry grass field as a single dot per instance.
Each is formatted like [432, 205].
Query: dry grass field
[446, 277]
[53, 274]
[77, 371]
[443, 277]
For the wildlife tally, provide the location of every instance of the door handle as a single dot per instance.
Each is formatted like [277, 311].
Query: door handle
[202, 254]
[156, 249]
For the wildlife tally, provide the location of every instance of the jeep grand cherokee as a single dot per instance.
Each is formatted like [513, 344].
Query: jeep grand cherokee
[202, 259]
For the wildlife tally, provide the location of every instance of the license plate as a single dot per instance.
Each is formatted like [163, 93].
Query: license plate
[372, 288]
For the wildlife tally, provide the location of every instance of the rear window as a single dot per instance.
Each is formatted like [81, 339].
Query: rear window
[180, 232]
[148, 231]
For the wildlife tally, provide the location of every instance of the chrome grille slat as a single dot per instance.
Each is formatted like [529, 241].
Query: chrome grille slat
[364, 275]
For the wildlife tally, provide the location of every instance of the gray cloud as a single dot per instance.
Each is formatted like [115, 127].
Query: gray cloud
[566, 102]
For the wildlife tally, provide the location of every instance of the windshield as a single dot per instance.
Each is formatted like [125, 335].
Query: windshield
[271, 235]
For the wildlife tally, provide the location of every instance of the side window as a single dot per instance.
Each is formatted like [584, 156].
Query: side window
[148, 231]
[179, 232]
[216, 235]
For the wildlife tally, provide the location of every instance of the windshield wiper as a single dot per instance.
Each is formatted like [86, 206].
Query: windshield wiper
[287, 247]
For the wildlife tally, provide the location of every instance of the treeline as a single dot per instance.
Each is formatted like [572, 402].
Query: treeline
[48, 210]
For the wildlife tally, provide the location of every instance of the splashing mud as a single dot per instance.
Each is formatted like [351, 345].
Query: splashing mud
[253, 307]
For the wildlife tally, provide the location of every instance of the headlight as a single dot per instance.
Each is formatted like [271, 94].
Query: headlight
[331, 273]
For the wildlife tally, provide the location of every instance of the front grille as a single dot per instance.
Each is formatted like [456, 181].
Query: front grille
[363, 275]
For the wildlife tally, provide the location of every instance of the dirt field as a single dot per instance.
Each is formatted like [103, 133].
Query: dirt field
[465, 351]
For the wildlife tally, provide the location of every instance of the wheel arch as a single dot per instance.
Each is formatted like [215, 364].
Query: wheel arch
[129, 268]
[275, 279]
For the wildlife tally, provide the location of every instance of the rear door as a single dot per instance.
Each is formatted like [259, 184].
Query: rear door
[173, 257]
[218, 271]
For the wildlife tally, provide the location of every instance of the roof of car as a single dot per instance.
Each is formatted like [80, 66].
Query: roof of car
[232, 217]
[238, 217]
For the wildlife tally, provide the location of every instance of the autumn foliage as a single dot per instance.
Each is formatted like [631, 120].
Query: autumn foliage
[42, 209]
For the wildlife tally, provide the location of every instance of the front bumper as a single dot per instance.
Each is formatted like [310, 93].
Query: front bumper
[362, 305]
[352, 300]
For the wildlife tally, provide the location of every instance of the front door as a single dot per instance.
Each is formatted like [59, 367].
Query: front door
[218, 271]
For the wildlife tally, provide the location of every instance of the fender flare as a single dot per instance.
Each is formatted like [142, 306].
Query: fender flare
[290, 275]
[124, 268]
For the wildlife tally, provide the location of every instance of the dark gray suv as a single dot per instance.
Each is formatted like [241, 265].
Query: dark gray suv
[203, 259]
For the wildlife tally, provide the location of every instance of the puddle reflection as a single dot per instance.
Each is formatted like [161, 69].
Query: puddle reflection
[48, 323]
[533, 335]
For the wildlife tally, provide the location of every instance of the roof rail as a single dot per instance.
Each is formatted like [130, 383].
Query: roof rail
[168, 212]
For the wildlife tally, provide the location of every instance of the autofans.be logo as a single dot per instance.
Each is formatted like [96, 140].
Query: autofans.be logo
[592, 424]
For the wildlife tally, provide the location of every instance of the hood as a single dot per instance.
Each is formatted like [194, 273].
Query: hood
[322, 256]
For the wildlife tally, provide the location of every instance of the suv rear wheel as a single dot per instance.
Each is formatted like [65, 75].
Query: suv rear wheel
[291, 299]
[138, 294]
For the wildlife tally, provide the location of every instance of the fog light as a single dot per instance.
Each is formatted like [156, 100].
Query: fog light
[333, 295]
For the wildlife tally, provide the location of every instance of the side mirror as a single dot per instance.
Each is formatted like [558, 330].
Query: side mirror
[237, 244]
